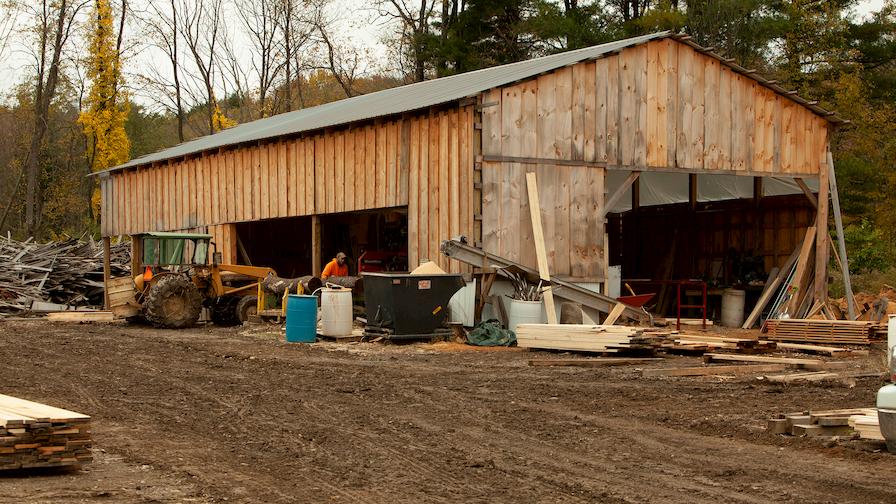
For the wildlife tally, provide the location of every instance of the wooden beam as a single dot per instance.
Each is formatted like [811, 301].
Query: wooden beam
[599, 362]
[801, 277]
[612, 200]
[757, 190]
[816, 364]
[107, 270]
[692, 191]
[822, 257]
[714, 370]
[636, 194]
[841, 244]
[808, 192]
[614, 314]
[540, 252]
[316, 267]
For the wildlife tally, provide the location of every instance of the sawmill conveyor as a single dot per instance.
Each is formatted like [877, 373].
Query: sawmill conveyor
[457, 248]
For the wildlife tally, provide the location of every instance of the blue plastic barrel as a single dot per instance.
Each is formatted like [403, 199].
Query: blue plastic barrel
[301, 319]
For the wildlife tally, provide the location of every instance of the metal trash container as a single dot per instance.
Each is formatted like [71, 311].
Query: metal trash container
[405, 306]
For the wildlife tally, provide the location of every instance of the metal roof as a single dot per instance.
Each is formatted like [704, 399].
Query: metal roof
[421, 95]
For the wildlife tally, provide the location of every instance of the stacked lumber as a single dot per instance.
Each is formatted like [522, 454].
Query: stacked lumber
[69, 273]
[867, 425]
[818, 423]
[850, 332]
[704, 342]
[823, 350]
[36, 435]
[589, 338]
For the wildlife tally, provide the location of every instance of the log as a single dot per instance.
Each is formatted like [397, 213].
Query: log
[276, 285]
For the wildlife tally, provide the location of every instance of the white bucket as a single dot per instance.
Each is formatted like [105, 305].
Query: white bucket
[733, 307]
[524, 312]
[336, 312]
[891, 336]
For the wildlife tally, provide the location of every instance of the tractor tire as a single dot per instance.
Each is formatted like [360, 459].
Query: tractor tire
[246, 307]
[173, 302]
[224, 311]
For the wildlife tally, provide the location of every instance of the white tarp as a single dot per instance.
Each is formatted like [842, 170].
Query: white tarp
[663, 188]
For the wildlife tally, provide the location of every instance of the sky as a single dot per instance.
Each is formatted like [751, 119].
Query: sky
[357, 24]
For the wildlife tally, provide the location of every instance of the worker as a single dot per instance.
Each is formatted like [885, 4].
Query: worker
[336, 267]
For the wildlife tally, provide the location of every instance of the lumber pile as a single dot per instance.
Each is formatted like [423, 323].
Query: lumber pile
[36, 435]
[67, 273]
[823, 350]
[589, 338]
[818, 423]
[867, 425]
[851, 332]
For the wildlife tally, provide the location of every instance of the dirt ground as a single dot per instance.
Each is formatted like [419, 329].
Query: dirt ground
[237, 415]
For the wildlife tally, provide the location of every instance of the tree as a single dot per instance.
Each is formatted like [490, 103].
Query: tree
[107, 109]
[162, 26]
[260, 24]
[412, 34]
[201, 27]
[53, 25]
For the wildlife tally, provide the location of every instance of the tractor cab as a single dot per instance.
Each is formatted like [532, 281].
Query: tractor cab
[176, 251]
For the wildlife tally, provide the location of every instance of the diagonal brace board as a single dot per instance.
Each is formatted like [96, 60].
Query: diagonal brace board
[540, 252]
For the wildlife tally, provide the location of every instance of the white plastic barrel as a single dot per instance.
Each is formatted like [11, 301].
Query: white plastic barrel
[336, 312]
[733, 307]
[524, 312]
[891, 336]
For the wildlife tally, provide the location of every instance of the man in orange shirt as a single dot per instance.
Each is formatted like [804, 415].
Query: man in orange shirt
[336, 267]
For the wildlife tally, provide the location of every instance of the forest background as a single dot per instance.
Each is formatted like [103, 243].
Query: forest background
[98, 82]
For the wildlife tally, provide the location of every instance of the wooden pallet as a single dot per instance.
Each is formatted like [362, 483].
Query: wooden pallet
[846, 332]
[36, 435]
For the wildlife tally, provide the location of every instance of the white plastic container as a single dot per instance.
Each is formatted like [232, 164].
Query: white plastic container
[524, 312]
[336, 312]
[891, 336]
[733, 307]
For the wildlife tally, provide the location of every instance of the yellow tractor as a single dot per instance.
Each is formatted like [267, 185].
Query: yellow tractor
[179, 274]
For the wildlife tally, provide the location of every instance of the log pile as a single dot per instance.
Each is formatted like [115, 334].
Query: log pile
[67, 273]
[850, 332]
[36, 435]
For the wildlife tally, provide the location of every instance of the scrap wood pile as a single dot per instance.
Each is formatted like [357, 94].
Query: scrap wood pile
[852, 332]
[37, 435]
[66, 273]
[699, 343]
[856, 422]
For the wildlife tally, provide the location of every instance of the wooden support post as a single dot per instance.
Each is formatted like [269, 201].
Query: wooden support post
[316, 266]
[540, 252]
[107, 270]
[636, 194]
[757, 190]
[821, 237]
[841, 244]
[692, 190]
[136, 256]
[614, 198]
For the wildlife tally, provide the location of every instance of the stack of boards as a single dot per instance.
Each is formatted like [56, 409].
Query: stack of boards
[698, 343]
[845, 422]
[850, 332]
[36, 435]
[589, 338]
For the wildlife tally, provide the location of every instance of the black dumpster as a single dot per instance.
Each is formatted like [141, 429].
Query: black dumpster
[401, 305]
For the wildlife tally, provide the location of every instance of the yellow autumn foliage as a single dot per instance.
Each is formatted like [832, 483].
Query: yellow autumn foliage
[107, 105]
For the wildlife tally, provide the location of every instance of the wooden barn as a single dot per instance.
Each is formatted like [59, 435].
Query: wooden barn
[651, 153]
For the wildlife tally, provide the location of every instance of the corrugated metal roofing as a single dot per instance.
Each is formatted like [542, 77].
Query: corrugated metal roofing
[401, 99]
